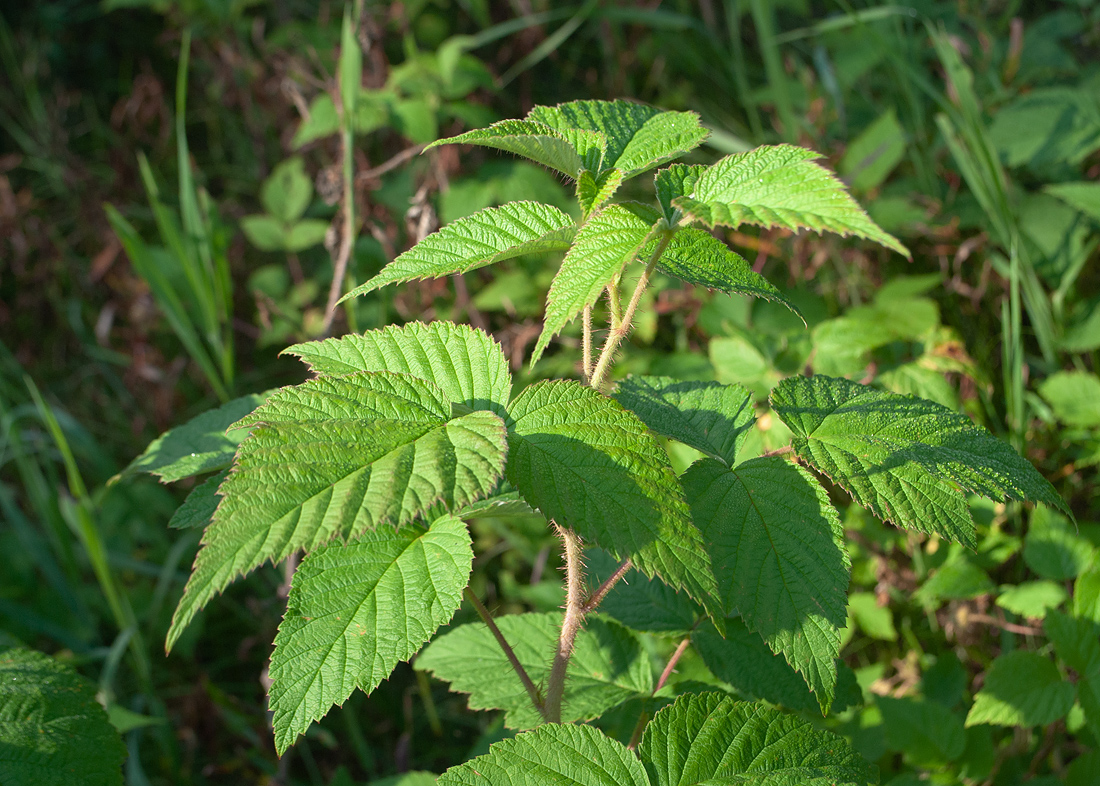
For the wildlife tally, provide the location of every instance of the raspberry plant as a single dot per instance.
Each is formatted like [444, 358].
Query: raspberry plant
[372, 466]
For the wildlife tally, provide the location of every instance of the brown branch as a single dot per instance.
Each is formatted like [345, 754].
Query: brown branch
[596, 598]
[521, 672]
[570, 623]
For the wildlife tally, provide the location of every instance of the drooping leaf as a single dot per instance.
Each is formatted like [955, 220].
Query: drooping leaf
[708, 416]
[1077, 642]
[779, 186]
[699, 258]
[465, 363]
[590, 465]
[1021, 689]
[199, 445]
[713, 739]
[561, 755]
[907, 459]
[198, 508]
[489, 236]
[638, 137]
[604, 245]
[355, 611]
[594, 190]
[674, 181]
[52, 730]
[568, 154]
[297, 485]
[776, 546]
[608, 666]
[927, 731]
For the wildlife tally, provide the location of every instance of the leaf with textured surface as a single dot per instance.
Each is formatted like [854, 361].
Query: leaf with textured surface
[52, 730]
[298, 485]
[590, 465]
[567, 153]
[675, 181]
[594, 190]
[779, 186]
[710, 738]
[907, 459]
[605, 244]
[199, 445]
[357, 610]
[708, 416]
[642, 603]
[465, 363]
[552, 755]
[776, 546]
[608, 666]
[199, 507]
[1021, 689]
[489, 236]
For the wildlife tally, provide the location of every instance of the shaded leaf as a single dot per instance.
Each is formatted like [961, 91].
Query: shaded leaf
[1021, 689]
[538, 142]
[1077, 642]
[674, 181]
[198, 508]
[925, 730]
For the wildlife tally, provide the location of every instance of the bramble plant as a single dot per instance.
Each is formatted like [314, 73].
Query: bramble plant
[372, 466]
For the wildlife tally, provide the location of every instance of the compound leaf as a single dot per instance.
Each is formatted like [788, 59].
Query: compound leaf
[708, 416]
[567, 153]
[588, 464]
[714, 739]
[608, 666]
[779, 185]
[907, 459]
[52, 730]
[489, 236]
[198, 508]
[1021, 689]
[357, 610]
[465, 363]
[776, 546]
[561, 755]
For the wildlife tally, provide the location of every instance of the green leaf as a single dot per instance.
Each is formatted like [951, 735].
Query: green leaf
[355, 611]
[552, 755]
[675, 181]
[874, 620]
[1083, 196]
[349, 67]
[638, 137]
[321, 121]
[1074, 396]
[505, 501]
[199, 445]
[594, 190]
[1021, 689]
[590, 465]
[1077, 642]
[1086, 592]
[708, 416]
[927, 731]
[779, 186]
[198, 508]
[1053, 549]
[265, 232]
[907, 459]
[1084, 770]
[484, 238]
[538, 142]
[873, 155]
[642, 603]
[285, 194]
[466, 364]
[608, 666]
[956, 579]
[713, 739]
[777, 549]
[52, 730]
[605, 244]
[1032, 598]
[306, 234]
[699, 258]
[297, 485]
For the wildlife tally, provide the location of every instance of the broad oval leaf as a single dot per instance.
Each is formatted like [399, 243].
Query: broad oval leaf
[777, 549]
[489, 236]
[710, 738]
[608, 666]
[538, 142]
[907, 459]
[465, 363]
[552, 754]
[779, 185]
[357, 610]
[590, 465]
[1021, 689]
[52, 730]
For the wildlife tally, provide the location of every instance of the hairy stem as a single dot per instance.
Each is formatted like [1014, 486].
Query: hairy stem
[596, 598]
[587, 344]
[570, 624]
[521, 672]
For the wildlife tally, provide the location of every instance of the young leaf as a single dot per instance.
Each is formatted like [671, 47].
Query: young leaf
[708, 416]
[710, 738]
[605, 244]
[466, 364]
[590, 465]
[199, 445]
[355, 611]
[779, 185]
[639, 137]
[594, 190]
[489, 236]
[608, 666]
[1021, 689]
[675, 181]
[297, 485]
[568, 154]
[776, 546]
[552, 755]
[198, 508]
[52, 730]
[907, 459]
[285, 194]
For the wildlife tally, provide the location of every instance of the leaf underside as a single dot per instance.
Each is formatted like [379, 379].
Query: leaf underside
[567, 153]
[198, 508]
